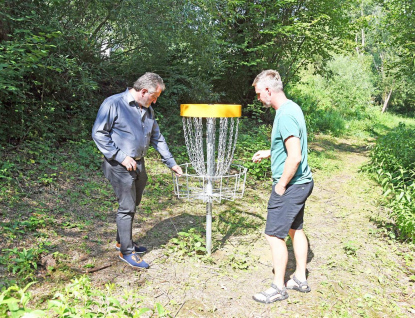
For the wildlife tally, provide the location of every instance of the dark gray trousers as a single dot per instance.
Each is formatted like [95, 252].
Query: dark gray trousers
[128, 187]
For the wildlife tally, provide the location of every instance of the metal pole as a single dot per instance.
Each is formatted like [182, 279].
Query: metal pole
[210, 161]
[209, 227]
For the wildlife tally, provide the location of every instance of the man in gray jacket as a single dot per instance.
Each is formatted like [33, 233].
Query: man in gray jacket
[123, 131]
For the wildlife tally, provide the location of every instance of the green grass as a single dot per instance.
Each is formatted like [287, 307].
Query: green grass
[375, 124]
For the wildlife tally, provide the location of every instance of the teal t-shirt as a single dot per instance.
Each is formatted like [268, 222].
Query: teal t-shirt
[289, 121]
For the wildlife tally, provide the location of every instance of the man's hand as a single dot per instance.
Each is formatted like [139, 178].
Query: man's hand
[177, 170]
[279, 189]
[262, 154]
[129, 163]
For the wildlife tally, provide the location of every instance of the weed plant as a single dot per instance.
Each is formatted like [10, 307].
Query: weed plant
[187, 244]
[78, 299]
[23, 262]
[393, 165]
[241, 260]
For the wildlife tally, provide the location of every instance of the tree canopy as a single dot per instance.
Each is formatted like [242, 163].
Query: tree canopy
[59, 59]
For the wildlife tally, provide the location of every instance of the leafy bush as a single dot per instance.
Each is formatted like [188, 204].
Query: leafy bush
[393, 164]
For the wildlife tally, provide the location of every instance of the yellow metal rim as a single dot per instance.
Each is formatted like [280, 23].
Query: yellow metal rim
[210, 110]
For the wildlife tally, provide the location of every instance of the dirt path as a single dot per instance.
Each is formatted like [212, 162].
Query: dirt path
[354, 269]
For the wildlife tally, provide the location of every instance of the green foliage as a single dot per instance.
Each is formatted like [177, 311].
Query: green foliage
[393, 164]
[78, 299]
[14, 303]
[261, 170]
[350, 85]
[251, 138]
[242, 259]
[260, 114]
[6, 170]
[86, 154]
[384, 33]
[50, 73]
[23, 262]
[190, 243]
[343, 91]
[329, 122]
[282, 35]
[351, 248]
[21, 226]
[58, 65]
[399, 19]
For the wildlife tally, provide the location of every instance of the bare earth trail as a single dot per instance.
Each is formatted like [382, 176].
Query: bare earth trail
[354, 269]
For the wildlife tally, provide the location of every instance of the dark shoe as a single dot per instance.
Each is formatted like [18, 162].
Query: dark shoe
[301, 286]
[270, 297]
[134, 260]
[138, 249]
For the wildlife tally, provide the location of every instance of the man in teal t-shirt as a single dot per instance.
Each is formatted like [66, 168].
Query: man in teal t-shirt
[292, 185]
[289, 122]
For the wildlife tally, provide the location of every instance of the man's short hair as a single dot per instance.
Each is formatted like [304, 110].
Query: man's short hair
[269, 78]
[149, 81]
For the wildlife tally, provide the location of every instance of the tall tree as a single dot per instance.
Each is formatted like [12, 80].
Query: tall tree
[284, 34]
[400, 24]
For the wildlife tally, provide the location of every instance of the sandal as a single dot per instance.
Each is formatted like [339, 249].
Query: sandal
[302, 287]
[276, 295]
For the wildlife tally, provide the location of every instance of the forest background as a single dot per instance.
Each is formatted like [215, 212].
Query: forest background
[345, 63]
[339, 59]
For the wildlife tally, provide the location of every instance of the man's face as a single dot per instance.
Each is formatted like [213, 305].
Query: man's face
[264, 95]
[149, 97]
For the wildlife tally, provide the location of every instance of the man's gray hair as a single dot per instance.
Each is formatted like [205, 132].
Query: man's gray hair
[269, 78]
[149, 81]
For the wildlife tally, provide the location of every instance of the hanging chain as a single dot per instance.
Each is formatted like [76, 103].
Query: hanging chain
[193, 135]
[223, 129]
[226, 144]
[228, 136]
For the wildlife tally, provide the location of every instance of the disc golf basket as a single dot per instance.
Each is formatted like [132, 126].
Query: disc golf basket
[210, 175]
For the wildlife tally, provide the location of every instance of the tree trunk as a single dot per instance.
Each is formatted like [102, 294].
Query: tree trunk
[363, 30]
[385, 104]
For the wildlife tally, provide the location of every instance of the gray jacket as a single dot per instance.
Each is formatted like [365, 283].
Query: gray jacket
[120, 130]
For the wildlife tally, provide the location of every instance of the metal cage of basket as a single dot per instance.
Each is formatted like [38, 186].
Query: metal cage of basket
[192, 186]
[210, 176]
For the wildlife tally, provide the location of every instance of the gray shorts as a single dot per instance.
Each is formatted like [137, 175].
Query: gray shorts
[287, 211]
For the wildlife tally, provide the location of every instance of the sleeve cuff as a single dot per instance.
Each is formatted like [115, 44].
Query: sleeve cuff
[170, 163]
[120, 156]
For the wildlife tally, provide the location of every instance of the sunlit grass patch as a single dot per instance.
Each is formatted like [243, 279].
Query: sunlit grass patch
[323, 160]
